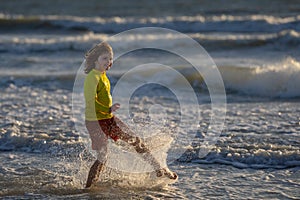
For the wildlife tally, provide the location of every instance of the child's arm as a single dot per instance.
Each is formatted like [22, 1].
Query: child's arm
[114, 107]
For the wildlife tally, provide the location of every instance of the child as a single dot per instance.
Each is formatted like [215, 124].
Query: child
[101, 123]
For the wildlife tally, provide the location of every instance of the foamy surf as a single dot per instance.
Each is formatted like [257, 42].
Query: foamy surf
[279, 80]
[221, 23]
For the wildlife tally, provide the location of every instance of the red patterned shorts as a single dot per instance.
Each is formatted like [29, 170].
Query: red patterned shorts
[102, 129]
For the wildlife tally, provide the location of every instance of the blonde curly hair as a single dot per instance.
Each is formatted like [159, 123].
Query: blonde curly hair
[93, 54]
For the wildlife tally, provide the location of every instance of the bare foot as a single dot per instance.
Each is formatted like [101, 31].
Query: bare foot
[94, 173]
[166, 172]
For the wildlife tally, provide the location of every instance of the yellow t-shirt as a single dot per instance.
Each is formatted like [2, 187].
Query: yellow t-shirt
[97, 96]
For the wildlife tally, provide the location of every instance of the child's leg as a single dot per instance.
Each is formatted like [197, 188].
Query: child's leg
[140, 147]
[95, 170]
[99, 143]
[126, 135]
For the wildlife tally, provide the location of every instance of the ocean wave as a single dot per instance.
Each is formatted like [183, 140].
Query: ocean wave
[220, 41]
[285, 39]
[187, 24]
[27, 43]
[260, 159]
[248, 155]
[274, 80]
[213, 32]
[279, 80]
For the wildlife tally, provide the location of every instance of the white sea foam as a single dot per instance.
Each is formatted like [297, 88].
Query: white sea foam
[272, 80]
[80, 42]
[236, 23]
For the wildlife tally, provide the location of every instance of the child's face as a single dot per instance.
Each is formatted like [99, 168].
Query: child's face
[104, 62]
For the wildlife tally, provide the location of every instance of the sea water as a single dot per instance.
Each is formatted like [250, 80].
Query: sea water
[255, 46]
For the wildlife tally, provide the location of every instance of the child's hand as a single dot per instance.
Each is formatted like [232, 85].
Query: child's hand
[115, 107]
